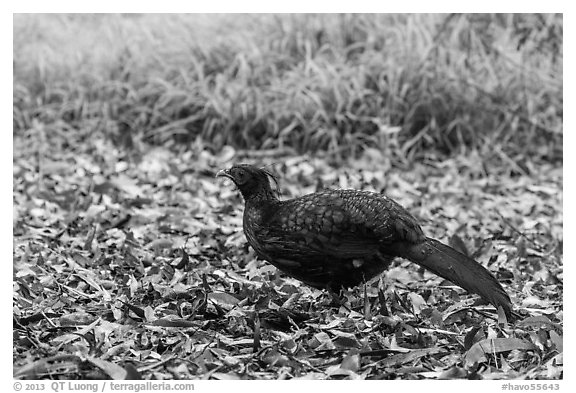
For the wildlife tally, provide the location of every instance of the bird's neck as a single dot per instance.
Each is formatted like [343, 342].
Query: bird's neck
[258, 209]
[259, 196]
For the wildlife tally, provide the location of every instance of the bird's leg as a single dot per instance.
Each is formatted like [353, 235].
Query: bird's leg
[334, 297]
[337, 300]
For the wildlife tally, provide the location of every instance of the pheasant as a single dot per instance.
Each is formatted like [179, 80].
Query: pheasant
[334, 239]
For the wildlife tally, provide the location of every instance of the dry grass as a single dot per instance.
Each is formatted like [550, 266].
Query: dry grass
[407, 85]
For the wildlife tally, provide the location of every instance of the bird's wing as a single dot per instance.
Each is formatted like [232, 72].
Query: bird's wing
[310, 245]
[338, 223]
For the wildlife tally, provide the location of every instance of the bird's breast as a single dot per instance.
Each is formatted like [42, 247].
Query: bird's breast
[252, 223]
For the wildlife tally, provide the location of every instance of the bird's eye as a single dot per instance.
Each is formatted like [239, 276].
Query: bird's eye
[240, 176]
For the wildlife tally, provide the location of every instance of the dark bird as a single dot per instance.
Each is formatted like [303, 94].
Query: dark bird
[341, 238]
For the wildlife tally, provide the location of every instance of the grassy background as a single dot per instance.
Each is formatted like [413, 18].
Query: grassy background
[409, 86]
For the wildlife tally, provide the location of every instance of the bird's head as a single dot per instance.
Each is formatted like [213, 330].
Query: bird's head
[253, 182]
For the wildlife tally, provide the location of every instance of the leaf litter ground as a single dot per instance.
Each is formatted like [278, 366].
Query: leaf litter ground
[134, 265]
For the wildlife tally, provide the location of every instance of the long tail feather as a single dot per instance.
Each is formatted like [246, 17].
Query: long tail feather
[460, 269]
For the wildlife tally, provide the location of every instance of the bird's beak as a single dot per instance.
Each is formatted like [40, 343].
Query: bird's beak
[224, 173]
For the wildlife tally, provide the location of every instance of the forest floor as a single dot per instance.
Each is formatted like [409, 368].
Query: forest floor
[134, 265]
